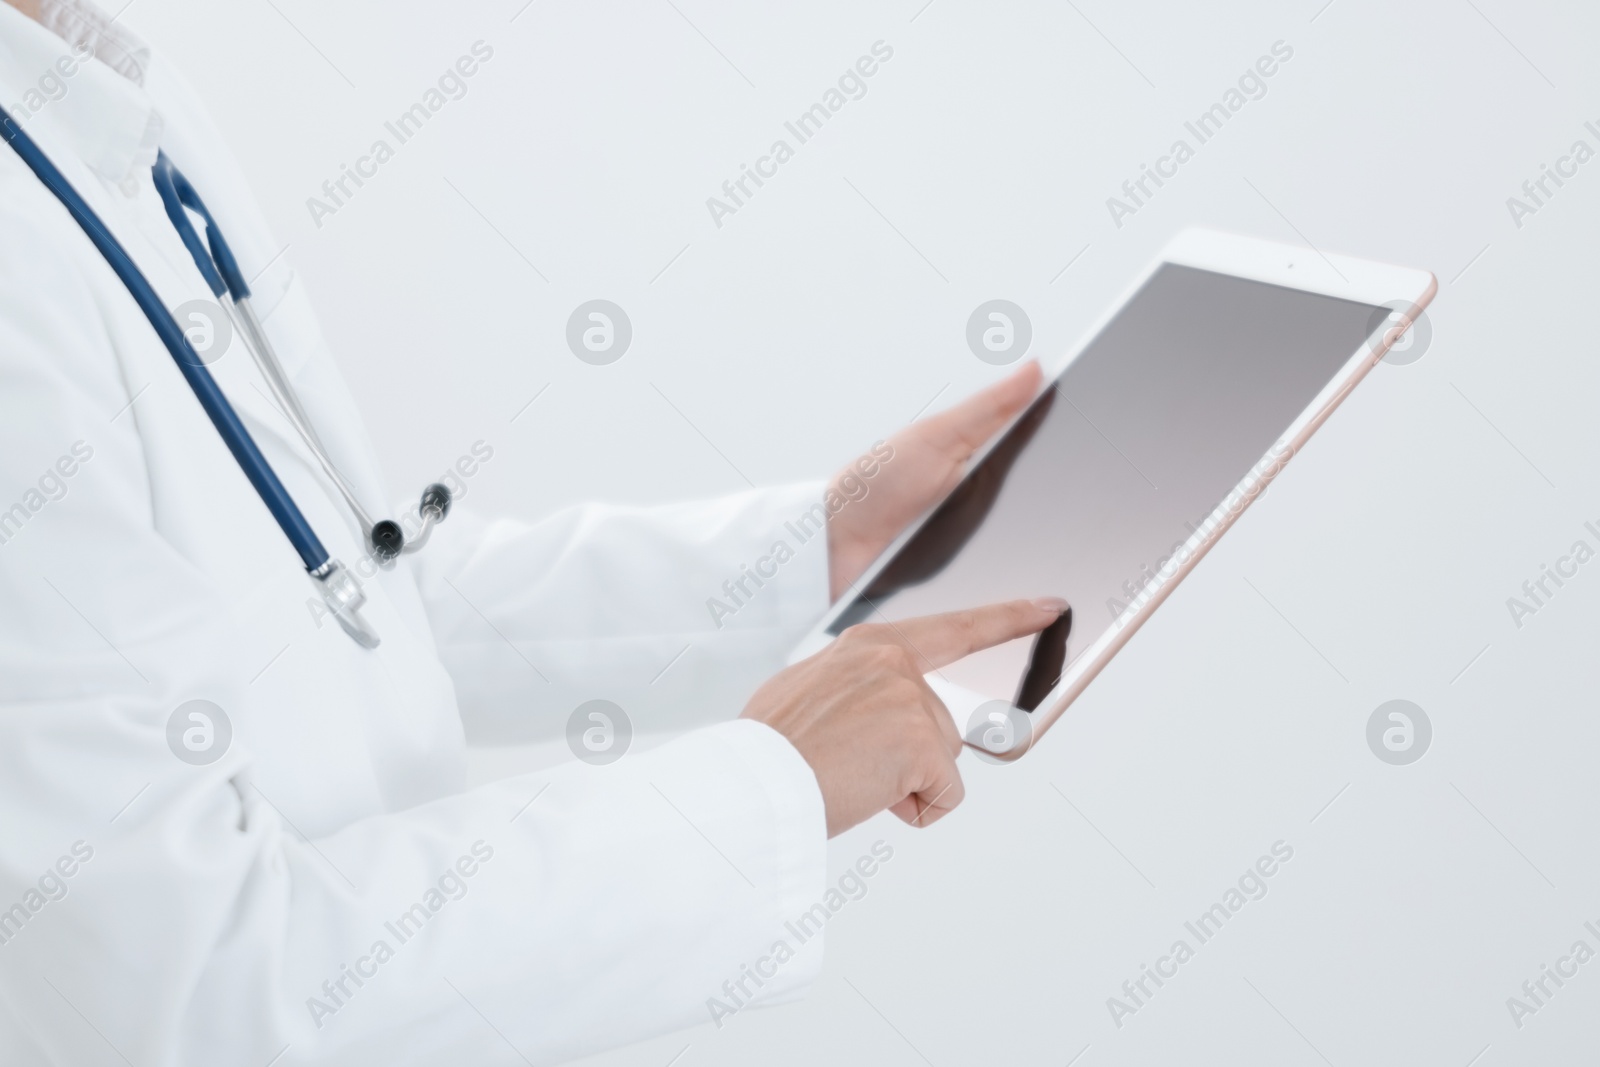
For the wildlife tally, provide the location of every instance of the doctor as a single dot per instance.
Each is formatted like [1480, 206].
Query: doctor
[299, 876]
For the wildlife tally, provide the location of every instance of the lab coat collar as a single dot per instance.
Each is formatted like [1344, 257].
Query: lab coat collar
[99, 110]
[90, 30]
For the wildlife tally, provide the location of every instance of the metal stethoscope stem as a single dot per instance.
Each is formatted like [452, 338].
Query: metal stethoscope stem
[384, 537]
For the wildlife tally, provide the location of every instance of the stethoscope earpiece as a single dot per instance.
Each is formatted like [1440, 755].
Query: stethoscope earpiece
[387, 540]
[433, 508]
[437, 498]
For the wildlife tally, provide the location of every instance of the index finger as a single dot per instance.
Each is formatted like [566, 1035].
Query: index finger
[943, 639]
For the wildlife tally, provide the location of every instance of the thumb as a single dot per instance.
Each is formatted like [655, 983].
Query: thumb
[965, 428]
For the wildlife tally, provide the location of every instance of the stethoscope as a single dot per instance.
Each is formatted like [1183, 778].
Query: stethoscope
[386, 540]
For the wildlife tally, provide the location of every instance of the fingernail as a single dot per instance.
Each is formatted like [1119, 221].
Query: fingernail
[1051, 603]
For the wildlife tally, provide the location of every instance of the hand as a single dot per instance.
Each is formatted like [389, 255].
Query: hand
[915, 470]
[873, 732]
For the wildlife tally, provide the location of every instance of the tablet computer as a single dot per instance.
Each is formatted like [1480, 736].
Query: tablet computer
[1147, 440]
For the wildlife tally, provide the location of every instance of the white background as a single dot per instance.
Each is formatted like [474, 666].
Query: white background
[832, 308]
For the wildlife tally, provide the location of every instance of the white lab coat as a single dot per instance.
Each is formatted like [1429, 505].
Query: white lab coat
[207, 906]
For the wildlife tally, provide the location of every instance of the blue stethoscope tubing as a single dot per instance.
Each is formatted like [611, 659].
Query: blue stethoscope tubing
[238, 439]
[217, 266]
[339, 589]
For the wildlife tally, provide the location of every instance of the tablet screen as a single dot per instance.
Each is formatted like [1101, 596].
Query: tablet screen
[1113, 469]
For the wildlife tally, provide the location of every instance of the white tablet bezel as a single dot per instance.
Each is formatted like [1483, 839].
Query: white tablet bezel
[1406, 290]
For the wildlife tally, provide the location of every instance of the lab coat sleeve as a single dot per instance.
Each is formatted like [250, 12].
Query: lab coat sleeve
[159, 910]
[675, 613]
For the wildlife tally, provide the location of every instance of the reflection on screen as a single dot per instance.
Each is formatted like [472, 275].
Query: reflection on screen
[1108, 473]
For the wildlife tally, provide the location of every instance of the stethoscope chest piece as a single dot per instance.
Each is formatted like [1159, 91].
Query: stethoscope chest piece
[343, 595]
